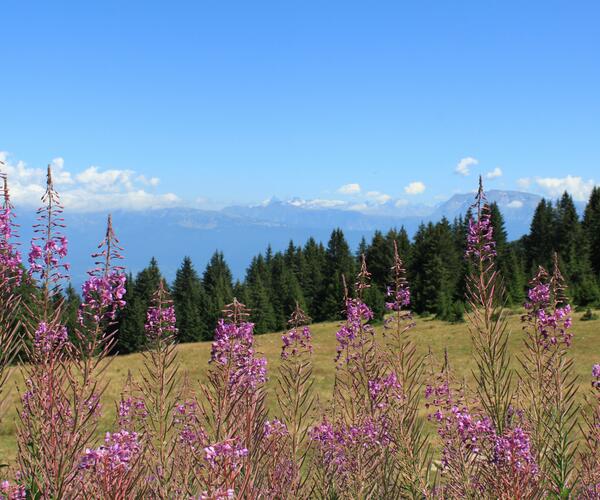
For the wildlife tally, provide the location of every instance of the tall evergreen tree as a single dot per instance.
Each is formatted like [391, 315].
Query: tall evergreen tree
[509, 266]
[131, 336]
[570, 243]
[312, 279]
[591, 229]
[339, 262]
[539, 244]
[189, 300]
[217, 281]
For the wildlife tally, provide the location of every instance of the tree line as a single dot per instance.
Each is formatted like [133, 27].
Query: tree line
[311, 274]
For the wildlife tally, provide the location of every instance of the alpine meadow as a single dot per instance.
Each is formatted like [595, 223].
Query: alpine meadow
[386, 416]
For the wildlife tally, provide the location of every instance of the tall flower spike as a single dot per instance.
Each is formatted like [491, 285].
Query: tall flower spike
[160, 319]
[104, 290]
[10, 257]
[399, 297]
[363, 278]
[236, 312]
[298, 338]
[480, 236]
[49, 245]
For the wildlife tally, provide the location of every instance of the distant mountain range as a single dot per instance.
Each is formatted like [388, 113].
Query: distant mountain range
[243, 231]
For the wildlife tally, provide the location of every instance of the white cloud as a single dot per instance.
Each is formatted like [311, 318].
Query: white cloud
[89, 190]
[413, 188]
[379, 198]
[401, 203]
[524, 182]
[576, 186]
[352, 188]
[497, 172]
[317, 203]
[464, 165]
[515, 204]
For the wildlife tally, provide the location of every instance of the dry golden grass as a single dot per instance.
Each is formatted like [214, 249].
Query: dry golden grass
[194, 359]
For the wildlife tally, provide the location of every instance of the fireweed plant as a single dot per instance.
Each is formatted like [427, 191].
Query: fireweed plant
[549, 386]
[10, 278]
[175, 438]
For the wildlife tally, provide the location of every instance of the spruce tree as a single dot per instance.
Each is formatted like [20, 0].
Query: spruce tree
[509, 267]
[131, 336]
[190, 304]
[539, 244]
[217, 281]
[312, 279]
[339, 262]
[591, 229]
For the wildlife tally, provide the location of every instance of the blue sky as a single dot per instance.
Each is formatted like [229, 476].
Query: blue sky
[212, 102]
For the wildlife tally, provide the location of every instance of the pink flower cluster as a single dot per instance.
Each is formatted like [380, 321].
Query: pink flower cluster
[130, 411]
[350, 336]
[596, 375]
[234, 345]
[296, 341]
[385, 389]
[103, 296]
[513, 450]
[342, 445]
[186, 421]
[227, 454]
[49, 338]
[12, 491]
[10, 258]
[160, 322]
[553, 323]
[275, 429]
[45, 258]
[114, 457]
[480, 236]
[400, 298]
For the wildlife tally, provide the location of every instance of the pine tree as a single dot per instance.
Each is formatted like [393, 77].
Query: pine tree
[539, 244]
[339, 262]
[131, 336]
[190, 304]
[509, 267]
[217, 281]
[570, 243]
[380, 258]
[591, 229]
[261, 308]
[312, 278]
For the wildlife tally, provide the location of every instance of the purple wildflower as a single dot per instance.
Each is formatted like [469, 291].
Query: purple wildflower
[547, 312]
[234, 345]
[114, 457]
[49, 338]
[12, 491]
[49, 246]
[103, 292]
[351, 335]
[385, 389]
[10, 257]
[480, 234]
[513, 450]
[225, 454]
[160, 322]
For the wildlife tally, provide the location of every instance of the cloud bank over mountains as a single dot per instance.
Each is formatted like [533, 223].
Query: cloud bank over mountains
[96, 189]
[92, 189]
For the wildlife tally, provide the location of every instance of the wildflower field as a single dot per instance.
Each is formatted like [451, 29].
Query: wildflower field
[505, 405]
[428, 333]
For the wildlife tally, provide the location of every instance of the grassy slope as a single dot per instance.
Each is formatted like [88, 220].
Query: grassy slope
[427, 334]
